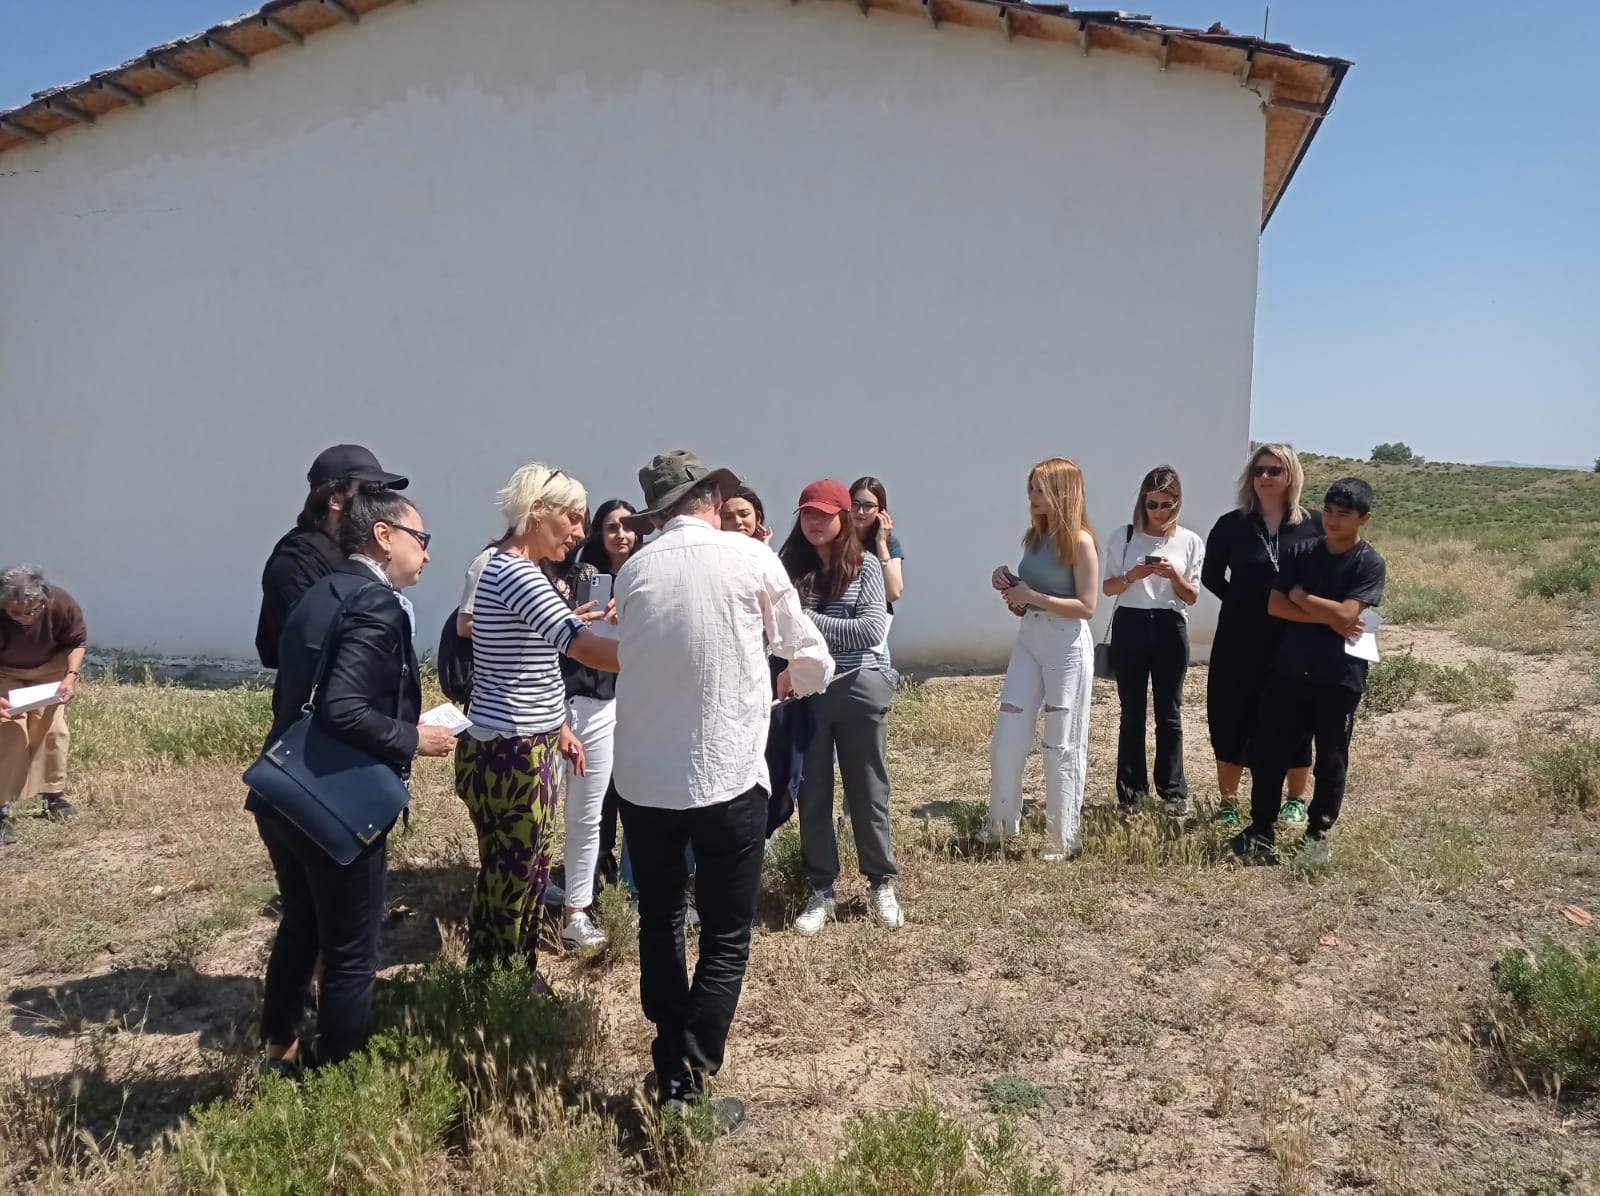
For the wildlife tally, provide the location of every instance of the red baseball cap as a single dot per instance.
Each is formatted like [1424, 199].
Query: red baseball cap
[828, 496]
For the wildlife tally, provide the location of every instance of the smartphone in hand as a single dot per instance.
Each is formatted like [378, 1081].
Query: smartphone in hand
[596, 589]
[1151, 560]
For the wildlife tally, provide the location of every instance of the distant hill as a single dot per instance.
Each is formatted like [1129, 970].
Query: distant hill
[1525, 465]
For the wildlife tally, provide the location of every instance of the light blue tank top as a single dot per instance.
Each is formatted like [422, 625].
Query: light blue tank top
[1041, 571]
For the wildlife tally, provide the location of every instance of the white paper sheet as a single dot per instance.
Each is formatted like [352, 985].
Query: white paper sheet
[34, 697]
[448, 716]
[1366, 648]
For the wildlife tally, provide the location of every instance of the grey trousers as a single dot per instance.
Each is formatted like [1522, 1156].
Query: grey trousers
[852, 716]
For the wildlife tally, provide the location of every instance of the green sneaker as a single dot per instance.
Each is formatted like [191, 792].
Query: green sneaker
[1293, 811]
[1227, 814]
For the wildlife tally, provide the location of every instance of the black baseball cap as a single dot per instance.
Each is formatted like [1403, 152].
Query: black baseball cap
[355, 462]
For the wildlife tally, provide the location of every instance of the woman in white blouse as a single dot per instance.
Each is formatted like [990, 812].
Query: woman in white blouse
[1153, 573]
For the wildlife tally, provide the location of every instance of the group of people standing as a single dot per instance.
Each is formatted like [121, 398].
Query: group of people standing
[1293, 586]
[702, 684]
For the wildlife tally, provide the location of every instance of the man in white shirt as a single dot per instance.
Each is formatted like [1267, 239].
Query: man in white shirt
[698, 611]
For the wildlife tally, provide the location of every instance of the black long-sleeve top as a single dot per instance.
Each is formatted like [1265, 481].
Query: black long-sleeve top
[1240, 567]
[300, 559]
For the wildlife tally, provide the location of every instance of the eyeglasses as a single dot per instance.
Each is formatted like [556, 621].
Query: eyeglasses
[422, 537]
[863, 508]
[1151, 504]
[1266, 471]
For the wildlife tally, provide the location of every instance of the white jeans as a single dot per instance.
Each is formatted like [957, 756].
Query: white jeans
[1052, 665]
[594, 723]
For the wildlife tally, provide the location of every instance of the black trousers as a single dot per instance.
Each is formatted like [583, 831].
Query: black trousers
[331, 910]
[1291, 710]
[606, 871]
[729, 840]
[1150, 654]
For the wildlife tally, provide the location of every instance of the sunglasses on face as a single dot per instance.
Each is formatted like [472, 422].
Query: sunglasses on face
[422, 537]
[1152, 504]
[1266, 471]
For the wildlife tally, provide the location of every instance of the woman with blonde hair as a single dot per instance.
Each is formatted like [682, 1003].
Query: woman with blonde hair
[1052, 664]
[508, 764]
[1156, 580]
[1242, 555]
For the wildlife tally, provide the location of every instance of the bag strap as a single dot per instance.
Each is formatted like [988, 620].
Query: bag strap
[330, 643]
[1105, 636]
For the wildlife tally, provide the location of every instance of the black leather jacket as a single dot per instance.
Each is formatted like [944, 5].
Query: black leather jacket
[372, 697]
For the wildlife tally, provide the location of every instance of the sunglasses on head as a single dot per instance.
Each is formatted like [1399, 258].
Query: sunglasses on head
[1154, 504]
[1266, 471]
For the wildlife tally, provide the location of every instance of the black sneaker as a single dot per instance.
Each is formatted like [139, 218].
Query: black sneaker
[723, 1115]
[286, 1069]
[8, 830]
[58, 808]
[1252, 849]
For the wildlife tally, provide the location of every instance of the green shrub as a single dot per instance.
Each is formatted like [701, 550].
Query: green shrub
[917, 1151]
[1568, 777]
[619, 921]
[226, 725]
[1549, 1011]
[1478, 683]
[1393, 682]
[784, 872]
[1578, 574]
[500, 1036]
[1421, 604]
[1013, 1094]
[372, 1124]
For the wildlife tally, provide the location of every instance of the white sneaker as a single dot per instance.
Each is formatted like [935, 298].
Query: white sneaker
[819, 909]
[886, 908]
[582, 933]
[1058, 855]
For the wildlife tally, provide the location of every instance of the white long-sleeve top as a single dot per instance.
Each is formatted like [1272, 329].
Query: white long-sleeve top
[698, 610]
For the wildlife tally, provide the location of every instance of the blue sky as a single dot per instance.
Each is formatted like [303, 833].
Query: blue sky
[1433, 274]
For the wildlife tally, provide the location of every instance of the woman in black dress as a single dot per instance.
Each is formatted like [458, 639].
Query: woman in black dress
[1242, 555]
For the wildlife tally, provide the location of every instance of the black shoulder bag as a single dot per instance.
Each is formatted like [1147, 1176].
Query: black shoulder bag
[1102, 650]
[341, 797]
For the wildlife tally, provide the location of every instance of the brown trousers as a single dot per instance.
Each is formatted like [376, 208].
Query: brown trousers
[33, 748]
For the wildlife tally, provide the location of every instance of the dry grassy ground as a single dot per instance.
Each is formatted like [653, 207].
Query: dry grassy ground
[1148, 1019]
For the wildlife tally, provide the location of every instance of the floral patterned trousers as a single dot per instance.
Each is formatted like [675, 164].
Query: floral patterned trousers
[510, 786]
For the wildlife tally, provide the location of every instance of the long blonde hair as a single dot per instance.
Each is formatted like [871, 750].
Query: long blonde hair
[1065, 516]
[1294, 513]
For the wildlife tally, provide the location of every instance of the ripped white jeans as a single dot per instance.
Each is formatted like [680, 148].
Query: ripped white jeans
[1052, 665]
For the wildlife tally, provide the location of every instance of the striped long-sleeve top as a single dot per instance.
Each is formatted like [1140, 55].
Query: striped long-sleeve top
[856, 622]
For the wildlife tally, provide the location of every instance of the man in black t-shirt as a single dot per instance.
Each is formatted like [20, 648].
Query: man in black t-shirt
[1314, 685]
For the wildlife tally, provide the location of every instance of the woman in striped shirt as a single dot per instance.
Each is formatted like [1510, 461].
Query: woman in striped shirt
[508, 765]
[842, 591]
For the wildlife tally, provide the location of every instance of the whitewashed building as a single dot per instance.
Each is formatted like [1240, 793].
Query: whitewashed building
[931, 240]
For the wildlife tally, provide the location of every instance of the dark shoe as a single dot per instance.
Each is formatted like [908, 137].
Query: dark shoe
[8, 830]
[57, 808]
[1178, 807]
[284, 1069]
[1252, 849]
[724, 1116]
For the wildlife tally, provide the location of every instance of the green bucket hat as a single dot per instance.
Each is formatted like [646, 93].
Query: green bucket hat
[670, 476]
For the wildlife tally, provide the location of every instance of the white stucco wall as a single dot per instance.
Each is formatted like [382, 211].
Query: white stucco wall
[475, 233]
